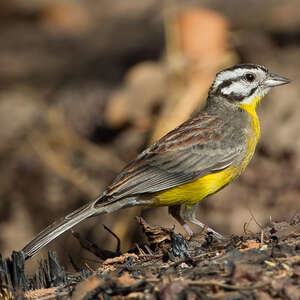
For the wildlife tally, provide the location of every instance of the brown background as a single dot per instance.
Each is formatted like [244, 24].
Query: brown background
[84, 83]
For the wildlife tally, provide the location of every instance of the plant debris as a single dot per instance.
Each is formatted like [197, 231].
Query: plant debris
[172, 267]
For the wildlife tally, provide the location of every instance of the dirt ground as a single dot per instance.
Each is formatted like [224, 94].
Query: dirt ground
[256, 266]
[86, 85]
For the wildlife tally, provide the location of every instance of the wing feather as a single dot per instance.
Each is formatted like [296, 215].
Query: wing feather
[194, 149]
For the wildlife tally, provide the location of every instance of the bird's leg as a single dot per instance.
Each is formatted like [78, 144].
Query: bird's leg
[174, 211]
[189, 214]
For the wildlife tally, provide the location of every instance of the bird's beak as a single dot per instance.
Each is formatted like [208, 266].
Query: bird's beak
[275, 80]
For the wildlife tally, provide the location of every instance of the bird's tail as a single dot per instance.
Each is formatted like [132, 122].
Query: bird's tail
[59, 227]
[101, 205]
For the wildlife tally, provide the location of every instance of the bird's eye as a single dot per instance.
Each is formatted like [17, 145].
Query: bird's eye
[249, 77]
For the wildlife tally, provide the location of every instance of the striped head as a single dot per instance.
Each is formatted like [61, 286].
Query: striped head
[244, 84]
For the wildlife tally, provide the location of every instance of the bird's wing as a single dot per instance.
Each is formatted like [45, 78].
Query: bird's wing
[196, 148]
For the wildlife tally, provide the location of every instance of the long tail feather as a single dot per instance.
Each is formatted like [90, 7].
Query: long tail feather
[57, 228]
[99, 206]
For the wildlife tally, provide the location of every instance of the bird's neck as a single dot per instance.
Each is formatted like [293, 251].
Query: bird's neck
[224, 108]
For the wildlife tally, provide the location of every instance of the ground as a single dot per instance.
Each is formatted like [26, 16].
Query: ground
[262, 266]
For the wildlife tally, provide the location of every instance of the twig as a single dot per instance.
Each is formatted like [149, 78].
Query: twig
[256, 222]
[246, 225]
[116, 237]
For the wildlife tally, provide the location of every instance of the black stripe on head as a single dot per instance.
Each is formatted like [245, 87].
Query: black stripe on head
[245, 66]
[253, 91]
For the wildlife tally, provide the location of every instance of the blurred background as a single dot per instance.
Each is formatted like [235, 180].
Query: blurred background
[86, 85]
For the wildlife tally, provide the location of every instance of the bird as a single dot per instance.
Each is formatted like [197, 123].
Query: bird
[191, 162]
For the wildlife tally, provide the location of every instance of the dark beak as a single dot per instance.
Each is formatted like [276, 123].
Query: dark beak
[275, 80]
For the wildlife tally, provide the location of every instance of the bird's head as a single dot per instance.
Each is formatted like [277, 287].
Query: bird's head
[245, 84]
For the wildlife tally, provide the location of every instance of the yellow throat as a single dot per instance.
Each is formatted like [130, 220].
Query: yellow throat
[251, 110]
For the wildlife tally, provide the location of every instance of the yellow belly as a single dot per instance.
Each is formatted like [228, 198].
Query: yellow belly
[192, 192]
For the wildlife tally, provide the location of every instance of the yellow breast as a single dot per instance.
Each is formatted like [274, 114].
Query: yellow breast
[192, 192]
